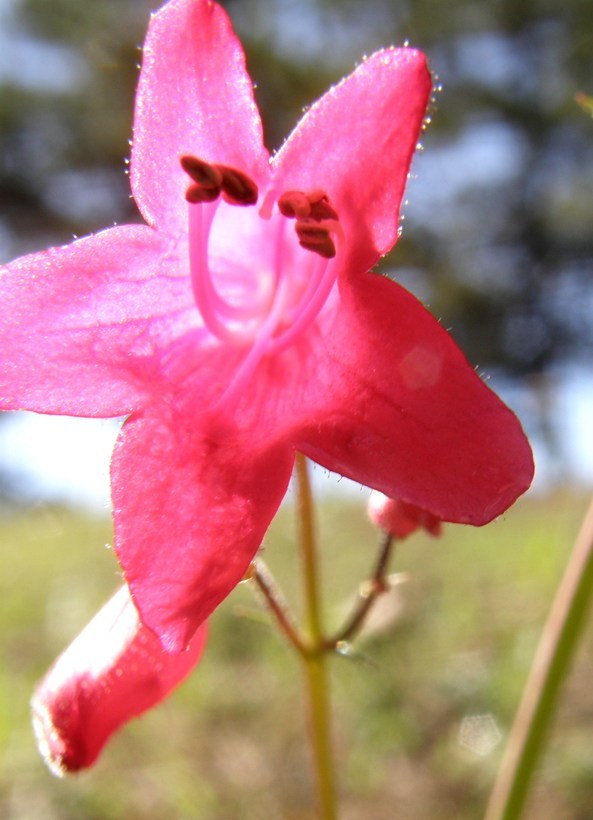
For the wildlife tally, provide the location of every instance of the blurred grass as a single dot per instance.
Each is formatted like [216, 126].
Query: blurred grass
[421, 708]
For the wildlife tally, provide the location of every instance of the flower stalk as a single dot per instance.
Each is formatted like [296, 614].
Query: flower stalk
[369, 591]
[277, 604]
[315, 659]
[552, 659]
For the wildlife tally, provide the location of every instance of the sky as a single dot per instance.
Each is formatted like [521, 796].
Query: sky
[66, 460]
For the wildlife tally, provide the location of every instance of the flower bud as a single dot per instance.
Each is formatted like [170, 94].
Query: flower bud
[399, 518]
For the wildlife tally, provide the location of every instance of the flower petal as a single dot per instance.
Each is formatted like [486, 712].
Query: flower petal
[357, 143]
[192, 503]
[114, 670]
[194, 97]
[82, 326]
[397, 407]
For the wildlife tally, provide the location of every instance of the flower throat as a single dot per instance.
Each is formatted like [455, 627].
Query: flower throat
[264, 321]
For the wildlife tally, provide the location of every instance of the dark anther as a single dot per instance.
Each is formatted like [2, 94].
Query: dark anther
[195, 194]
[294, 204]
[315, 220]
[315, 236]
[203, 174]
[314, 204]
[237, 187]
[320, 207]
[210, 181]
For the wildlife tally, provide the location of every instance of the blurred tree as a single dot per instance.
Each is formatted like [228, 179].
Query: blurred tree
[499, 236]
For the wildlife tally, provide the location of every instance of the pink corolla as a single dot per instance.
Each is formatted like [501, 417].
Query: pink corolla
[243, 323]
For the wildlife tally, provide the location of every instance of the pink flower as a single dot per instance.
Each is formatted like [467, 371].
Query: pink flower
[400, 519]
[241, 323]
[116, 669]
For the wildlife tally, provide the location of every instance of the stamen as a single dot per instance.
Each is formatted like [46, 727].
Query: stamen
[279, 256]
[267, 205]
[315, 236]
[315, 296]
[237, 187]
[294, 204]
[261, 321]
[320, 206]
[316, 220]
[300, 205]
[234, 324]
[207, 180]
[211, 180]
[259, 349]
[201, 280]
[195, 194]
[202, 173]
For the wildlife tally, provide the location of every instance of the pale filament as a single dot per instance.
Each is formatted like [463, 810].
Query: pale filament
[200, 277]
[215, 310]
[263, 323]
[260, 346]
[313, 299]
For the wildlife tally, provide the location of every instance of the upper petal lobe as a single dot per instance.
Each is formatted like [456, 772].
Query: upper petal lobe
[194, 97]
[357, 144]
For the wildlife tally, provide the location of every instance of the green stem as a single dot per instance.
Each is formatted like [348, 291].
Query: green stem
[277, 604]
[552, 659]
[314, 659]
[315, 667]
[308, 547]
[368, 594]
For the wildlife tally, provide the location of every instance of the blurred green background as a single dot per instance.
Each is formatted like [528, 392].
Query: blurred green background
[498, 240]
[420, 712]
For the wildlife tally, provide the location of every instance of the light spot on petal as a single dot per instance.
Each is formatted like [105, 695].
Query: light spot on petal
[420, 368]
